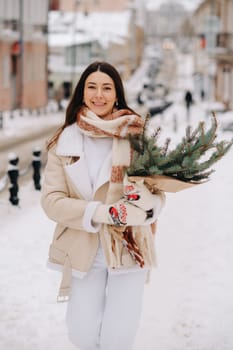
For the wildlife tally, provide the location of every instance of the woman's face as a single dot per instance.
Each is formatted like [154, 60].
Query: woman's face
[99, 93]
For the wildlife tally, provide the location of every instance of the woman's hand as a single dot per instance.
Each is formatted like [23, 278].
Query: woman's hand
[138, 194]
[121, 213]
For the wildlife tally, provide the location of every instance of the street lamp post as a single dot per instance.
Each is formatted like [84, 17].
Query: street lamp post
[21, 45]
[133, 37]
[73, 47]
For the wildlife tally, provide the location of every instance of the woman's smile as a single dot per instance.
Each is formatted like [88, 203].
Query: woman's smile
[99, 104]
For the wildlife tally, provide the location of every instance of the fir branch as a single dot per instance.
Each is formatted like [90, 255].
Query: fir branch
[184, 162]
[165, 148]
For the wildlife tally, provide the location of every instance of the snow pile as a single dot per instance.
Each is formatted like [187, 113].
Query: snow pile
[188, 303]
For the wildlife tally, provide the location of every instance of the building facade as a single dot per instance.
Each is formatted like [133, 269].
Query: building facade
[105, 30]
[23, 54]
[71, 49]
[224, 54]
[213, 54]
[164, 22]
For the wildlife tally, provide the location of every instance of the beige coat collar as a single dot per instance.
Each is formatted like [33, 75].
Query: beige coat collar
[70, 144]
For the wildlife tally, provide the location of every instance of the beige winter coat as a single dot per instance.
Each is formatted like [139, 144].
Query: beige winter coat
[67, 199]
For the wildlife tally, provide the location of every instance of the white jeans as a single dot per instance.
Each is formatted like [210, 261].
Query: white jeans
[104, 308]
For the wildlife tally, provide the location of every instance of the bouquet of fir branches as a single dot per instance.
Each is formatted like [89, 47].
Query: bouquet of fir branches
[188, 164]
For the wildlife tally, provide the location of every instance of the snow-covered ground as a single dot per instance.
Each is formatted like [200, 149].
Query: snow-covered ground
[188, 303]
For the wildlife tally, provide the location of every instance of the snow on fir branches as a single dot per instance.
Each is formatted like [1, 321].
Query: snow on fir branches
[190, 161]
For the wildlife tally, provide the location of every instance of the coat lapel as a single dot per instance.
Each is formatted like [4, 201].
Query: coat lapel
[105, 172]
[78, 173]
[70, 144]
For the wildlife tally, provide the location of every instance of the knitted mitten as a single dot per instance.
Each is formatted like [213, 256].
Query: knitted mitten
[138, 194]
[121, 213]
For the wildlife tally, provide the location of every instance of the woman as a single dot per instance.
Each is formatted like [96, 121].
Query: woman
[103, 239]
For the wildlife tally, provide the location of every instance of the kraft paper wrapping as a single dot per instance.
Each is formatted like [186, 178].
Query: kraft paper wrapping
[164, 183]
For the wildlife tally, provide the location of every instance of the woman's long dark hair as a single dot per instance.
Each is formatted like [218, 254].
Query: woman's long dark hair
[76, 102]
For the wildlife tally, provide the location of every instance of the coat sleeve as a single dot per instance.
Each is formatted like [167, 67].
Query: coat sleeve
[56, 201]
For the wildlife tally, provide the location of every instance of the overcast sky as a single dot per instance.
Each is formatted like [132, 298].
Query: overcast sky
[189, 4]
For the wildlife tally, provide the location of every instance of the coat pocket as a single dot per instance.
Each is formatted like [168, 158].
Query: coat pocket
[60, 233]
[56, 255]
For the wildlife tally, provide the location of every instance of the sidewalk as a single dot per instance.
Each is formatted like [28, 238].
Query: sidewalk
[27, 127]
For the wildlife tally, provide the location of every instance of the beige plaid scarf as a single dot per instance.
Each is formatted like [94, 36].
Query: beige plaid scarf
[119, 125]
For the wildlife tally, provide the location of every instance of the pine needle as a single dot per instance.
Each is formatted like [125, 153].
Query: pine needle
[184, 162]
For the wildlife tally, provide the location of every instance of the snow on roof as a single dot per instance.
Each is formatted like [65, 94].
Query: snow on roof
[101, 26]
[68, 39]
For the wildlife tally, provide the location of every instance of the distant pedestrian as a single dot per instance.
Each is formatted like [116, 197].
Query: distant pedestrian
[13, 174]
[59, 96]
[202, 94]
[188, 102]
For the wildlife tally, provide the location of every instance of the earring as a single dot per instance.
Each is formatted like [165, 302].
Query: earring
[116, 103]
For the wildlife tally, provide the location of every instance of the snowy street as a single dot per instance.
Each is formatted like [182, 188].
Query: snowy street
[188, 303]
